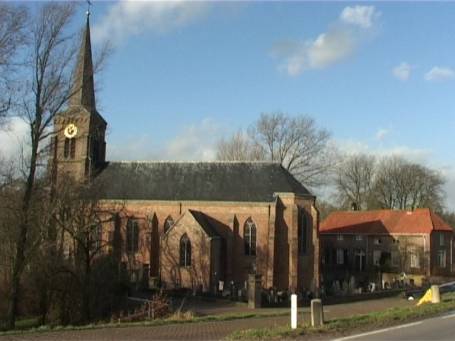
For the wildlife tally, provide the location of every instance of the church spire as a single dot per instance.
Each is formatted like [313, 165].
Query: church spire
[83, 88]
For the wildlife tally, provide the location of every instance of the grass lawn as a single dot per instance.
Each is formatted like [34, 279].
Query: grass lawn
[30, 325]
[353, 323]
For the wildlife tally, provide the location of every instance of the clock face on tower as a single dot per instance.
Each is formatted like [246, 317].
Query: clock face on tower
[70, 131]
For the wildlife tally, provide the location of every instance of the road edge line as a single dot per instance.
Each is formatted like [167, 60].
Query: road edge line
[378, 331]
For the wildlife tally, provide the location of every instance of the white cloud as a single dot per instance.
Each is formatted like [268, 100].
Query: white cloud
[402, 71]
[13, 137]
[193, 142]
[381, 134]
[439, 73]
[339, 42]
[362, 16]
[128, 18]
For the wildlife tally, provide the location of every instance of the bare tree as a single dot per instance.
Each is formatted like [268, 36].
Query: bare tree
[448, 216]
[13, 20]
[49, 86]
[325, 208]
[79, 219]
[239, 147]
[354, 180]
[401, 184]
[296, 142]
[7, 172]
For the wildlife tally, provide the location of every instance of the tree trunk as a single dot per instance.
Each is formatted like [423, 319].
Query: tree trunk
[19, 263]
[86, 291]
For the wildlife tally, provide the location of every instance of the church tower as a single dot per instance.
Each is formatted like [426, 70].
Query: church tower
[79, 145]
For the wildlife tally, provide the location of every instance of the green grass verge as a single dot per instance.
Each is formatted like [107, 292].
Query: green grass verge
[21, 329]
[345, 325]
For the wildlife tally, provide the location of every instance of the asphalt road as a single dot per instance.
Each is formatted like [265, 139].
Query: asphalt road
[438, 328]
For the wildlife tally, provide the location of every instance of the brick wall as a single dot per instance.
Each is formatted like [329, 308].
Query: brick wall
[276, 259]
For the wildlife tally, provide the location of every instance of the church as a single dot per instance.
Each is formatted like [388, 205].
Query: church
[191, 224]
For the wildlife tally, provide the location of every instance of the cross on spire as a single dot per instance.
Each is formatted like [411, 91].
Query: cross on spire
[83, 85]
[89, 5]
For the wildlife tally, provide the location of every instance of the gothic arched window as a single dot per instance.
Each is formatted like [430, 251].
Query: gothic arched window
[168, 223]
[72, 148]
[69, 149]
[96, 236]
[132, 236]
[66, 151]
[302, 233]
[185, 251]
[249, 236]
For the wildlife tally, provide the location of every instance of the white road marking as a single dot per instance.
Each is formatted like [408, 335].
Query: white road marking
[378, 331]
[448, 316]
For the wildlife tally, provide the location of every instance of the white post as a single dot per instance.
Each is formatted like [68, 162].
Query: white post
[435, 295]
[293, 311]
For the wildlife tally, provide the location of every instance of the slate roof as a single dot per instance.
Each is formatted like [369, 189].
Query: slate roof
[198, 181]
[421, 220]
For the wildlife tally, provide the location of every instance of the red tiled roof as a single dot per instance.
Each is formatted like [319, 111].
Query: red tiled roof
[421, 220]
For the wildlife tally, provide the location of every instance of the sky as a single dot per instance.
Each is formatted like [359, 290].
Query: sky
[380, 76]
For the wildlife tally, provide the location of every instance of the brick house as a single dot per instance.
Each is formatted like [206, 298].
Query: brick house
[190, 224]
[386, 246]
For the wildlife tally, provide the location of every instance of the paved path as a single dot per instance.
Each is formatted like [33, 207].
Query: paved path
[210, 330]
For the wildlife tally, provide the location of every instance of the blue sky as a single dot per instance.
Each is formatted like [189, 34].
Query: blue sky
[380, 76]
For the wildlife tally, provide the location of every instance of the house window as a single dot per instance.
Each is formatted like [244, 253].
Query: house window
[395, 258]
[132, 236]
[377, 241]
[327, 258]
[249, 236]
[358, 237]
[441, 239]
[376, 257]
[340, 237]
[442, 258]
[360, 259]
[302, 233]
[168, 223]
[185, 251]
[340, 256]
[414, 260]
